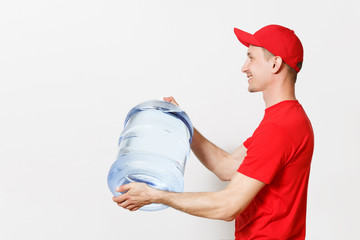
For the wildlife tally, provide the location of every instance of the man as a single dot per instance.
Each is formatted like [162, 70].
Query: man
[269, 173]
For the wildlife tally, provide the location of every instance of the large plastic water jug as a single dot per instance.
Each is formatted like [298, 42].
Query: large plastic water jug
[153, 148]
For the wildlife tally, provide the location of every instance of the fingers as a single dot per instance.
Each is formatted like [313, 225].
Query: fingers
[131, 207]
[120, 199]
[134, 208]
[171, 100]
[126, 202]
[124, 188]
[129, 199]
[128, 205]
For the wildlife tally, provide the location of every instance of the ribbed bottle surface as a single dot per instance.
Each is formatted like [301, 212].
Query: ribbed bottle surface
[153, 148]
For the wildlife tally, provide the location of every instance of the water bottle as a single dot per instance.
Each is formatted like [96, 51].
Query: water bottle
[153, 148]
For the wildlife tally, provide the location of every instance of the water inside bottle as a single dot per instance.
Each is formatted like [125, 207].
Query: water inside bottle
[153, 148]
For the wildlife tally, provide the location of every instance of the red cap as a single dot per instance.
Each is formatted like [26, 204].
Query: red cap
[278, 40]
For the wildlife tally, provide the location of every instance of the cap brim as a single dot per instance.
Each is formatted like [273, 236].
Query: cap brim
[246, 38]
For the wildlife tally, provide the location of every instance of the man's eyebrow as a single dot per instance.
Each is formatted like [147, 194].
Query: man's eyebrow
[249, 54]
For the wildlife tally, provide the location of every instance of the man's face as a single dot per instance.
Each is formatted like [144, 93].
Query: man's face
[257, 69]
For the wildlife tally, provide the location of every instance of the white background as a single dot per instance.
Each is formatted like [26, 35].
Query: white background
[71, 70]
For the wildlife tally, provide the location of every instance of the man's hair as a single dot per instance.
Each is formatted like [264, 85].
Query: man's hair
[291, 71]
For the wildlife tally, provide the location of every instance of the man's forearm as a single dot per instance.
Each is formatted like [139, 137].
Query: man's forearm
[220, 162]
[222, 205]
[207, 204]
[208, 153]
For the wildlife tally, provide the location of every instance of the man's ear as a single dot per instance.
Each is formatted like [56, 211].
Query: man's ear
[277, 62]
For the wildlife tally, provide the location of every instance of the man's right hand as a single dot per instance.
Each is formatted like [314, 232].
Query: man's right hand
[171, 100]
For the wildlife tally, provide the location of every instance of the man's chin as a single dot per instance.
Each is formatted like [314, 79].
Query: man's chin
[252, 90]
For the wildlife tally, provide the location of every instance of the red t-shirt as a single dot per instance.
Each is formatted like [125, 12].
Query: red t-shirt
[279, 154]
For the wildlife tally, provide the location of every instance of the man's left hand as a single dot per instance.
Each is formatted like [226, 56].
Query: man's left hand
[135, 196]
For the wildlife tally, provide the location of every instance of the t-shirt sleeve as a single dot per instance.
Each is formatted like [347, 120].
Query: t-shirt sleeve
[266, 153]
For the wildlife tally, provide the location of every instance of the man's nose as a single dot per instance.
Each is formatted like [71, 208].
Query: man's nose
[245, 66]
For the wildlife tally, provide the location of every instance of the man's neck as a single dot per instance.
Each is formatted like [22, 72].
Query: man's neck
[276, 95]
